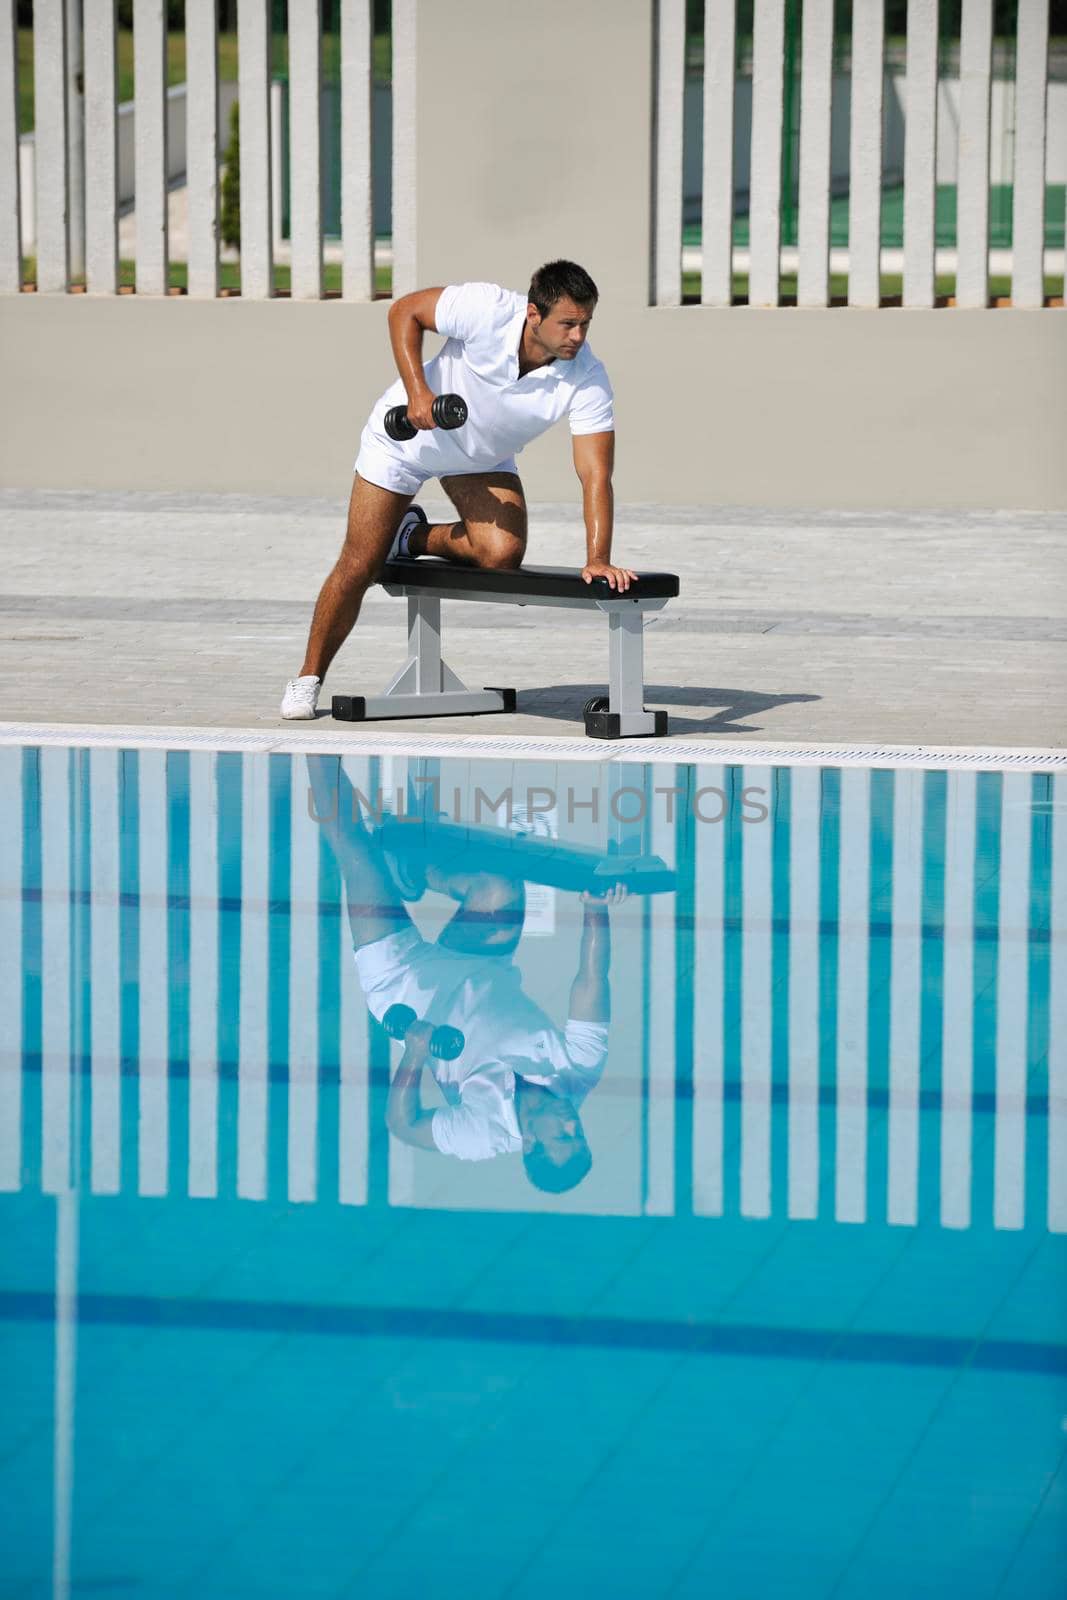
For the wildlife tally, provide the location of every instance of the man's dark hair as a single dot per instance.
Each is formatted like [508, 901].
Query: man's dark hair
[553, 1177]
[558, 280]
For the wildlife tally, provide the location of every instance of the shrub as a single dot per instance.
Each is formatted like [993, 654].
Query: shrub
[230, 222]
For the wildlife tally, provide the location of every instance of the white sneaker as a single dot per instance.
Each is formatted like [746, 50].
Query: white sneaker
[413, 518]
[300, 698]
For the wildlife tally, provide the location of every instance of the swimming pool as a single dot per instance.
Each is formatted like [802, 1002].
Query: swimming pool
[800, 1328]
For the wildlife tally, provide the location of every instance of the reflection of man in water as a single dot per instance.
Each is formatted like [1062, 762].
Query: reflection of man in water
[519, 1081]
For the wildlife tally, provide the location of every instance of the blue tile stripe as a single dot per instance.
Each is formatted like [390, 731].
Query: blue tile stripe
[984, 1102]
[754, 1341]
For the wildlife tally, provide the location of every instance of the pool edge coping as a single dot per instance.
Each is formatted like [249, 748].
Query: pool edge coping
[704, 752]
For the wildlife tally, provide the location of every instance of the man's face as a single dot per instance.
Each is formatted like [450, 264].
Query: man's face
[563, 331]
[551, 1122]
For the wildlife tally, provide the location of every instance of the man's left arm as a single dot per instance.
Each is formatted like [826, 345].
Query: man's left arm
[594, 462]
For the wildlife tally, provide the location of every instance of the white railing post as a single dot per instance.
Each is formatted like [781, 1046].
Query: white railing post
[709, 848]
[765, 183]
[865, 155]
[670, 90]
[203, 1174]
[717, 207]
[920, 131]
[972, 193]
[305, 159]
[11, 968]
[805, 799]
[816, 87]
[153, 970]
[905, 997]
[757, 940]
[405, 111]
[853, 980]
[101, 149]
[253, 89]
[50, 145]
[1028, 201]
[106, 771]
[253, 1064]
[305, 930]
[150, 157]
[75, 138]
[357, 189]
[1013, 979]
[1057, 1019]
[202, 146]
[957, 1003]
[10, 201]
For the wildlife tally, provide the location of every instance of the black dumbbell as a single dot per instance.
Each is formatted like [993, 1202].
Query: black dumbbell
[445, 1043]
[449, 411]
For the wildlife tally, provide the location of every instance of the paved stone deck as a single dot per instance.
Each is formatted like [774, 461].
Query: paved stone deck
[192, 609]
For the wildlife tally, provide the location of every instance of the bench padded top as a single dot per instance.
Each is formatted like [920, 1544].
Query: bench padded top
[550, 583]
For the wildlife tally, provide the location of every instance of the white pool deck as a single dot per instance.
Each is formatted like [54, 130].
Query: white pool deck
[943, 633]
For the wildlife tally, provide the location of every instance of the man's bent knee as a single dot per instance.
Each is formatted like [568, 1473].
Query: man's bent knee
[501, 558]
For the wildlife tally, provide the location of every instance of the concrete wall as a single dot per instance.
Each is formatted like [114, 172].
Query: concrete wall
[777, 408]
[548, 144]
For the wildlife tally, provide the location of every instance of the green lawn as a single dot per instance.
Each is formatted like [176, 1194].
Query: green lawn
[331, 63]
[892, 287]
[1000, 219]
[230, 277]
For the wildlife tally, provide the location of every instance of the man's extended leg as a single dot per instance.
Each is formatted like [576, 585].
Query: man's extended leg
[492, 532]
[375, 908]
[373, 517]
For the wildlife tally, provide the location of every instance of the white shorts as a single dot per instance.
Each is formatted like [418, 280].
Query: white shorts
[406, 969]
[390, 470]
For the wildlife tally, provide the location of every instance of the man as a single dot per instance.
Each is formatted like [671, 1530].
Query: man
[520, 363]
[518, 1082]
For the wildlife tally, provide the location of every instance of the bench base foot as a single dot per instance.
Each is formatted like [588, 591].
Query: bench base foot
[446, 703]
[605, 724]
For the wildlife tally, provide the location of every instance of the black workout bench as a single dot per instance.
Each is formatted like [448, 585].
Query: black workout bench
[426, 686]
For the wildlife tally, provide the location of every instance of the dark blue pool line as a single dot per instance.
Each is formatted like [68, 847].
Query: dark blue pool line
[983, 1102]
[609, 1333]
[827, 927]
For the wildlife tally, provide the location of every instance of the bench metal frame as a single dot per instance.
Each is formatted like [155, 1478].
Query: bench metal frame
[426, 685]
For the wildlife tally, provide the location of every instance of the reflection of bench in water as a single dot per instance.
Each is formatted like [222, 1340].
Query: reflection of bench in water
[426, 686]
[454, 847]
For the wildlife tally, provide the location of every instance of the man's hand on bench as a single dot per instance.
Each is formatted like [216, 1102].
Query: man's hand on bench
[617, 577]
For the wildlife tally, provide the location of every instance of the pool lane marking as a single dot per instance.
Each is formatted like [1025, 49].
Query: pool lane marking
[752, 1341]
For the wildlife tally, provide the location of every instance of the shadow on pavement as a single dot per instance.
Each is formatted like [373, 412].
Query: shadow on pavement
[564, 702]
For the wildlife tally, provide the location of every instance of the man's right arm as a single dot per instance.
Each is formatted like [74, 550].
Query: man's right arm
[409, 318]
[590, 992]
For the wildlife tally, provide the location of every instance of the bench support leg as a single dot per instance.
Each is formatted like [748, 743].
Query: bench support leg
[626, 717]
[425, 686]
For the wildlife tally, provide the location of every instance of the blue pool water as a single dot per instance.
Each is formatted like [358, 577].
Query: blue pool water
[801, 1328]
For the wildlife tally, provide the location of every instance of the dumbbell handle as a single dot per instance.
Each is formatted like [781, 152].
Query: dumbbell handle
[449, 411]
[446, 1043]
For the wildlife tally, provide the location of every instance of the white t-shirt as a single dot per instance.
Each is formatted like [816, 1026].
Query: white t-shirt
[480, 361]
[505, 1033]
